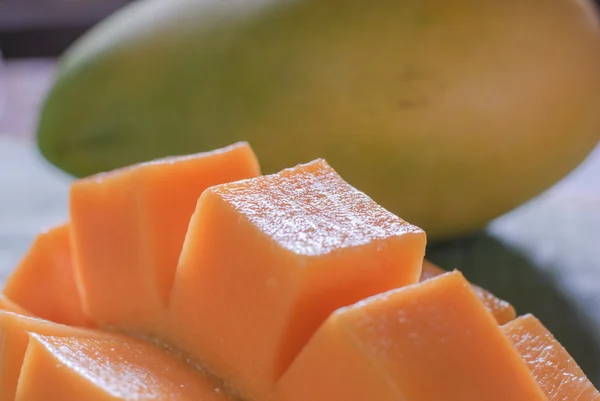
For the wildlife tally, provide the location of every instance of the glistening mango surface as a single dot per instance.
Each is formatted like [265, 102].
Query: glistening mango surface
[282, 287]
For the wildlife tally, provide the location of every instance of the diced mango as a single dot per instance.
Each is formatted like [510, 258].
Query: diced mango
[128, 228]
[502, 310]
[44, 283]
[267, 260]
[430, 270]
[10, 306]
[14, 339]
[91, 369]
[431, 341]
[554, 369]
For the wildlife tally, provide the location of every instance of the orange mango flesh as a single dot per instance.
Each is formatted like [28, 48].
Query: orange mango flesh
[44, 282]
[14, 339]
[94, 369]
[554, 369]
[10, 306]
[502, 310]
[265, 262]
[276, 255]
[129, 225]
[431, 341]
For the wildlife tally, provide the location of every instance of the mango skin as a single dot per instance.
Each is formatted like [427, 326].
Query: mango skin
[448, 113]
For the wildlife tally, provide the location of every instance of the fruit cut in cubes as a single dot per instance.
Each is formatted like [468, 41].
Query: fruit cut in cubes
[555, 370]
[44, 283]
[502, 310]
[14, 338]
[129, 225]
[431, 341]
[266, 260]
[92, 369]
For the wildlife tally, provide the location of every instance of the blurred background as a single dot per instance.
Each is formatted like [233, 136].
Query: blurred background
[532, 252]
[33, 33]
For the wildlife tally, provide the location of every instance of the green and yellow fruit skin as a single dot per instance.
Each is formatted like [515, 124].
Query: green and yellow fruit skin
[448, 113]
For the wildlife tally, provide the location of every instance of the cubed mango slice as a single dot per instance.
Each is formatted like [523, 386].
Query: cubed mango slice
[502, 310]
[44, 282]
[128, 228]
[10, 306]
[266, 260]
[554, 369]
[14, 338]
[431, 341]
[92, 369]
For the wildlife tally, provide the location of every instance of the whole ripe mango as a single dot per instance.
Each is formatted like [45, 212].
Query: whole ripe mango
[448, 113]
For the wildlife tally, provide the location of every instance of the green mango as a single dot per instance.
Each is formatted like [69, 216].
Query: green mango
[448, 113]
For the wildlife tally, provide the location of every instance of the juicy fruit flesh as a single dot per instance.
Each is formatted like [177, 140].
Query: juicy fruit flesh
[312, 214]
[453, 120]
[14, 340]
[405, 343]
[10, 306]
[293, 247]
[251, 289]
[49, 261]
[554, 369]
[107, 370]
[128, 226]
[492, 368]
[502, 310]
